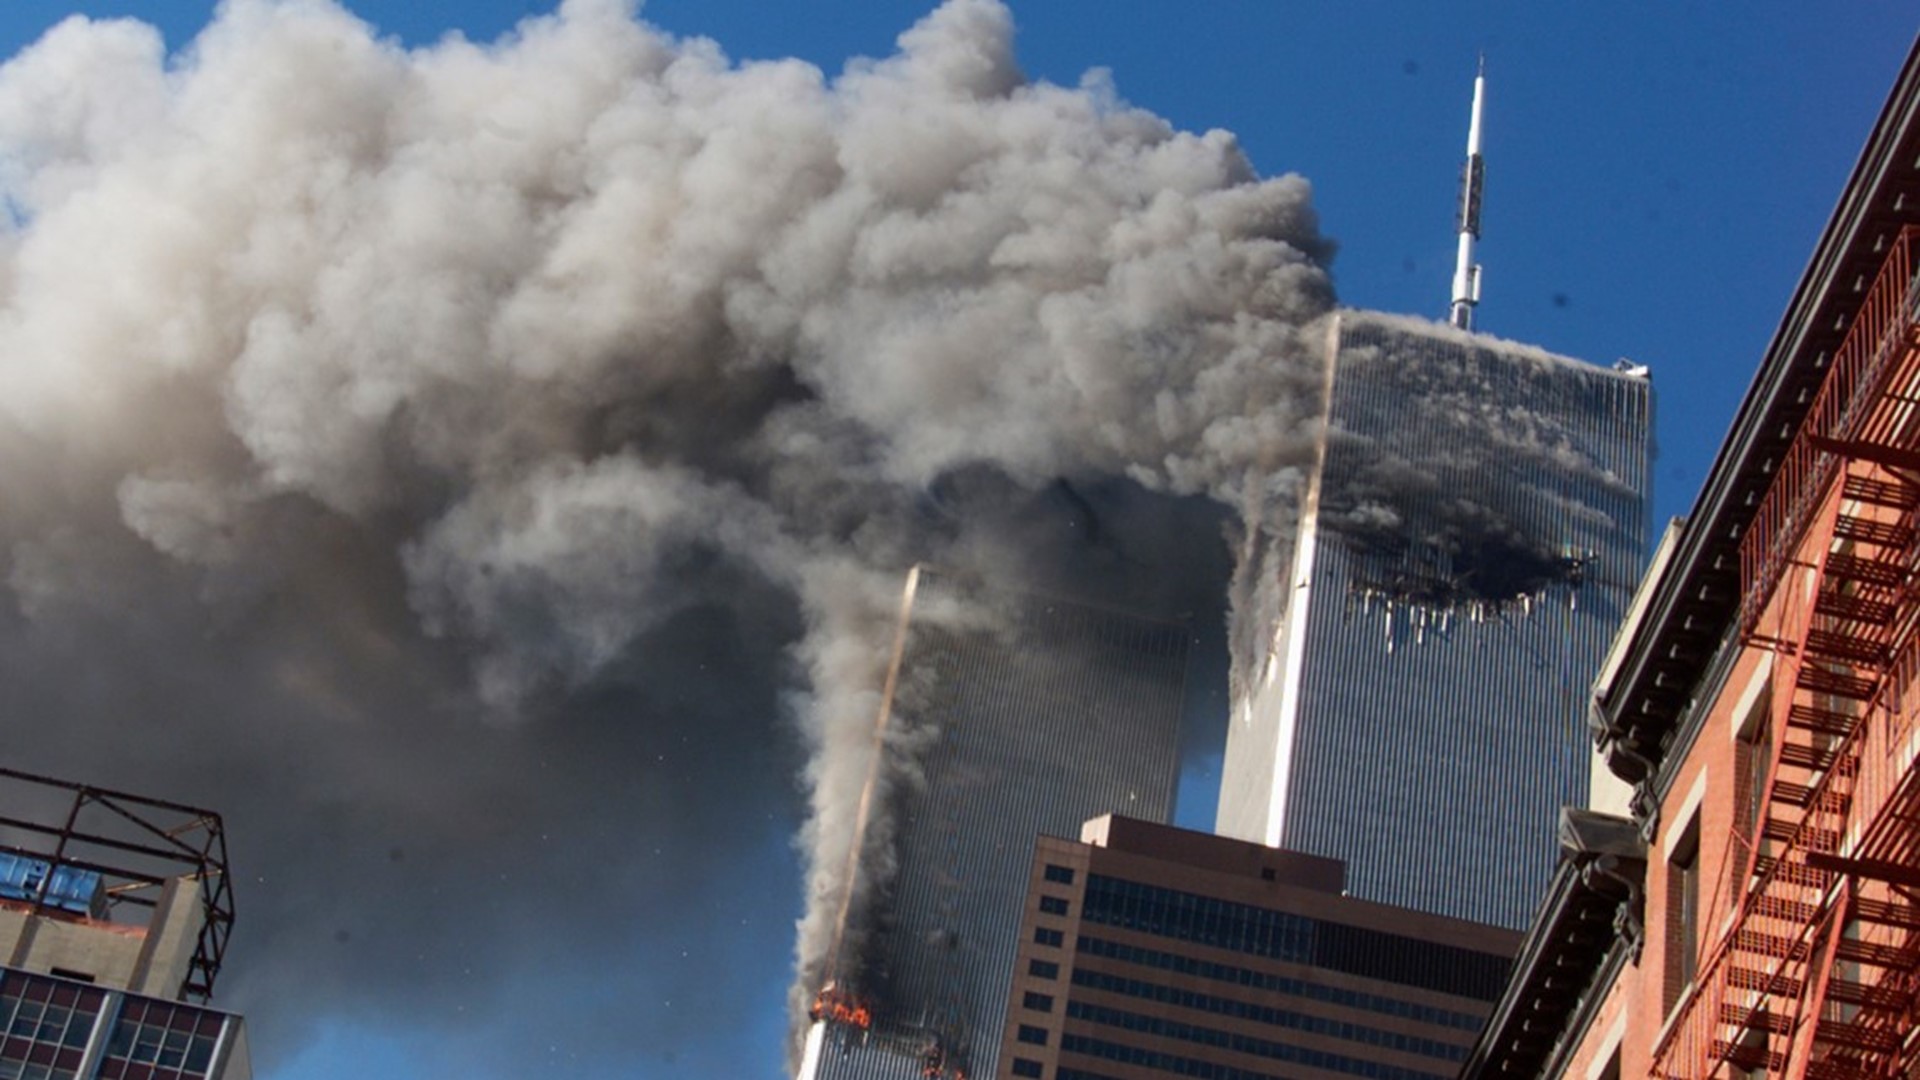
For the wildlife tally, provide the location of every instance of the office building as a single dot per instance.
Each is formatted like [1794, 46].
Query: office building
[1761, 712]
[1470, 536]
[114, 916]
[1148, 951]
[1013, 715]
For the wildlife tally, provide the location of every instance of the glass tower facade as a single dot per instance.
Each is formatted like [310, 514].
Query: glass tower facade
[1469, 543]
[1013, 716]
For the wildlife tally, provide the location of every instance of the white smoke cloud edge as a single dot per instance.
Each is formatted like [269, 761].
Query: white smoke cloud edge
[558, 310]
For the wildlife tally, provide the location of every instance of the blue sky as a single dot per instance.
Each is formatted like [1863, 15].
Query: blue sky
[1656, 177]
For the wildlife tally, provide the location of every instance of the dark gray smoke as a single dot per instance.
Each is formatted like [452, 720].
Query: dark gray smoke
[485, 472]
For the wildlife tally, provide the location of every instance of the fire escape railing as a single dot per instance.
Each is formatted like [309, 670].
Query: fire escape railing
[1857, 376]
[1814, 972]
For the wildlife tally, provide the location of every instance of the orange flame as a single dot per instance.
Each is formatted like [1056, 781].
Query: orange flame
[839, 1007]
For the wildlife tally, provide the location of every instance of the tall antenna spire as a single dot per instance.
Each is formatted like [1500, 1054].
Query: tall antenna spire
[1466, 272]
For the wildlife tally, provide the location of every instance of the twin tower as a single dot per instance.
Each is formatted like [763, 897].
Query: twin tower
[1413, 703]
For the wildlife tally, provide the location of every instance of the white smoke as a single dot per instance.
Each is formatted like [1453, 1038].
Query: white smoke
[511, 345]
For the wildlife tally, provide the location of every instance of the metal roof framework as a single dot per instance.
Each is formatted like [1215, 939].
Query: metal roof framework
[137, 844]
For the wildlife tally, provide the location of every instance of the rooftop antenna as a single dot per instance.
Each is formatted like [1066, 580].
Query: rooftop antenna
[1466, 272]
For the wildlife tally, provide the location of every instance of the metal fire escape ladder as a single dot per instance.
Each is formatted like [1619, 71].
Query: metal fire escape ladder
[1814, 974]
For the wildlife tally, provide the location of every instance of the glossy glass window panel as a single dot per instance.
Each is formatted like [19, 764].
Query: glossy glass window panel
[46, 1021]
[1304, 988]
[1186, 1066]
[157, 1040]
[1271, 1016]
[1296, 938]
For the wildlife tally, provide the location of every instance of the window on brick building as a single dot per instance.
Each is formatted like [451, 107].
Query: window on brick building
[1752, 756]
[1683, 913]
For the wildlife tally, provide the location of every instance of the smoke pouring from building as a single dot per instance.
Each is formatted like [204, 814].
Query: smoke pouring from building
[486, 472]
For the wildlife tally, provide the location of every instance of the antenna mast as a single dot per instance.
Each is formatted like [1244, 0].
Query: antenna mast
[1466, 272]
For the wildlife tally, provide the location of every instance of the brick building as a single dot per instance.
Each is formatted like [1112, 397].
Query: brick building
[1761, 913]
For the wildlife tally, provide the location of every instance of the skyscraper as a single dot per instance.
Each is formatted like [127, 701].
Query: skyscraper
[1015, 715]
[1469, 540]
[114, 915]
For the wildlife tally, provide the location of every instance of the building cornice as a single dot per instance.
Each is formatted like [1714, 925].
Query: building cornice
[1696, 603]
[1594, 908]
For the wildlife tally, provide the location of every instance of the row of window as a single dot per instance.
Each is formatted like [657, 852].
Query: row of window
[1265, 1014]
[1043, 969]
[20, 1070]
[1225, 1040]
[47, 1023]
[1052, 621]
[1200, 919]
[1284, 935]
[137, 1043]
[1261, 980]
[1195, 1067]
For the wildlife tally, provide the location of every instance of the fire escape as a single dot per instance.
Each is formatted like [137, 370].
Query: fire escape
[1815, 971]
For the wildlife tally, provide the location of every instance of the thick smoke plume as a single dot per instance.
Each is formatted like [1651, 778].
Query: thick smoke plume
[486, 471]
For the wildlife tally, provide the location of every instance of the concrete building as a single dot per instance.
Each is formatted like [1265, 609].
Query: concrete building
[1470, 535]
[1756, 910]
[114, 916]
[1011, 715]
[1148, 951]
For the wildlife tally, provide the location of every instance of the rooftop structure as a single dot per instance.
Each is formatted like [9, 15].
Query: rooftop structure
[114, 914]
[1466, 272]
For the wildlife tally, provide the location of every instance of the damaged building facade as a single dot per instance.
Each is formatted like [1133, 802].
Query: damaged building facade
[1751, 905]
[1011, 715]
[1469, 539]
